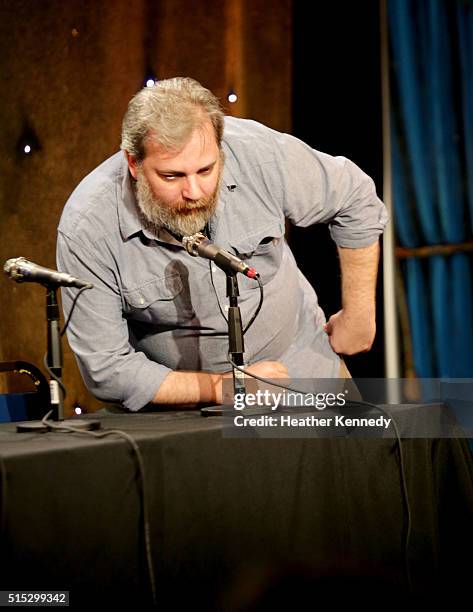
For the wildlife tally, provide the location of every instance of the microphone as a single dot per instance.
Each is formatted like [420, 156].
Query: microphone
[199, 245]
[21, 270]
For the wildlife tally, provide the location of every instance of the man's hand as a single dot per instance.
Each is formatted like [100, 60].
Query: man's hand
[352, 329]
[264, 369]
[268, 369]
[193, 388]
[351, 333]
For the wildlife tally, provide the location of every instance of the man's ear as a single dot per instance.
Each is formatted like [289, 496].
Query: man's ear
[132, 165]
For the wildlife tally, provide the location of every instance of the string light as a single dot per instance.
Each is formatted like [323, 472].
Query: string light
[150, 82]
[232, 97]
[28, 143]
[78, 410]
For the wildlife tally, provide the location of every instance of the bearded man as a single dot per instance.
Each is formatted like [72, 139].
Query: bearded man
[152, 331]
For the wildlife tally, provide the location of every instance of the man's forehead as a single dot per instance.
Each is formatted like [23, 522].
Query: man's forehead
[200, 141]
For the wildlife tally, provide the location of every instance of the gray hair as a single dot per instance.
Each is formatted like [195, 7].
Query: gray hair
[168, 113]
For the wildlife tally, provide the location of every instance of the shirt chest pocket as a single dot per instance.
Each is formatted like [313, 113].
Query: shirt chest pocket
[262, 251]
[161, 301]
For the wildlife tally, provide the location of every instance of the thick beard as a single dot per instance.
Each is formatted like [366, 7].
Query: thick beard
[183, 219]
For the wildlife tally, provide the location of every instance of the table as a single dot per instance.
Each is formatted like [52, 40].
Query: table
[232, 520]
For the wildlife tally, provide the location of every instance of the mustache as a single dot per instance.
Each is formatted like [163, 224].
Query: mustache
[188, 205]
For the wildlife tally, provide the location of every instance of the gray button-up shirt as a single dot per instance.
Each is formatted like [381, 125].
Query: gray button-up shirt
[154, 309]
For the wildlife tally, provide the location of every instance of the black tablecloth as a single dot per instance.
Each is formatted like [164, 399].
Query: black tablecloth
[232, 521]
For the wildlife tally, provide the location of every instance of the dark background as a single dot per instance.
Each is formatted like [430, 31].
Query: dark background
[337, 109]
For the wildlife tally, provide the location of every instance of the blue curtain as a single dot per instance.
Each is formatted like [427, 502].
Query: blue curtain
[431, 45]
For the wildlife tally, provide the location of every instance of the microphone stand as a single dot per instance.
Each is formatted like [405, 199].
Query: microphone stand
[235, 333]
[235, 341]
[54, 362]
[54, 354]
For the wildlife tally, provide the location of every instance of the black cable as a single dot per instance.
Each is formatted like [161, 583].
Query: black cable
[363, 404]
[56, 425]
[53, 376]
[216, 294]
[79, 293]
[258, 308]
[45, 358]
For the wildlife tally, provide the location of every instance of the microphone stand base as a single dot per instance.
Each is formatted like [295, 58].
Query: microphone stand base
[40, 427]
[211, 411]
[32, 426]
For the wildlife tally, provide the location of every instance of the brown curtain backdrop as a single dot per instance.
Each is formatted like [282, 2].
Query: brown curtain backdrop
[67, 71]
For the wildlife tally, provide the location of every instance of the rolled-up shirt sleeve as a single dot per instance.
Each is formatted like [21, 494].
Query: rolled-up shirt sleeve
[98, 332]
[320, 188]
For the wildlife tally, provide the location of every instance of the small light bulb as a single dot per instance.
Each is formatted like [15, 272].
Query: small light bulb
[232, 97]
[150, 82]
[27, 149]
[78, 410]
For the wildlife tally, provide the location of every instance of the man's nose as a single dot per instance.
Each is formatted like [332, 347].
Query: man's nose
[191, 189]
